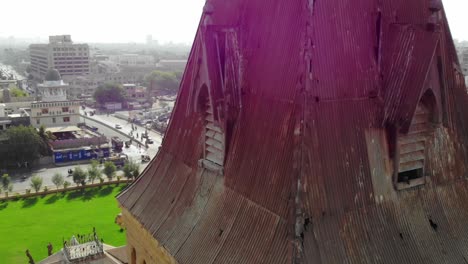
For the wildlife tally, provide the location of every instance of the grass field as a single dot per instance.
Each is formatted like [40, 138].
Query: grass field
[34, 222]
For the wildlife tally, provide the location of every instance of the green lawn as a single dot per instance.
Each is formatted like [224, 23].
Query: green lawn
[34, 222]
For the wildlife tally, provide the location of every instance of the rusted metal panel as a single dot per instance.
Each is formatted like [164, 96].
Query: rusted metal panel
[338, 161]
[343, 45]
[406, 63]
[262, 131]
[188, 211]
[308, 110]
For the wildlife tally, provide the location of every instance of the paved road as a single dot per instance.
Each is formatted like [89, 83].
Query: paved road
[111, 120]
[133, 152]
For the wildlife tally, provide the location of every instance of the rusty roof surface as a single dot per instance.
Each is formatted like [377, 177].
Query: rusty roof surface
[309, 95]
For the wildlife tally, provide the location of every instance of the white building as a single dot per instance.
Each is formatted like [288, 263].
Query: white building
[54, 110]
[60, 53]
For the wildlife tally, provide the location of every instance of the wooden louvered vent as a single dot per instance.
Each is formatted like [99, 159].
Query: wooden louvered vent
[412, 149]
[214, 139]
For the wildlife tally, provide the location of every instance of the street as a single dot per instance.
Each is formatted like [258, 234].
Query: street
[133, 152]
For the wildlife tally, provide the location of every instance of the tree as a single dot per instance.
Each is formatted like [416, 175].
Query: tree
[36, 182]
[58, 179]
[109, 169]
[66, 184]
[162, 80]
[6, 181]
[16, 92]
[79, 176]
[94, 172]
[129, 168]
[136, 173]
[109, 92]
[45, 137]
[22, 146]
[128, 172]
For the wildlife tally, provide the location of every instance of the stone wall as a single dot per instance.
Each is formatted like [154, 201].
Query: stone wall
[78, 142]
[146, 247]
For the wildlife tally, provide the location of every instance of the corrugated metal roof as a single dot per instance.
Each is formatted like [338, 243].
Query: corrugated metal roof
[312, 90]
[406, 64]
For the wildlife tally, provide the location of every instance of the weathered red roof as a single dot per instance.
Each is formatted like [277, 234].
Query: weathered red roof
[311, 93]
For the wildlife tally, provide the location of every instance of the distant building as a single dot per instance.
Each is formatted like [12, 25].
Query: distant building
[60, 53]
[172, 65]
[133, 59]
[8, 119]
[8, 84]
[54, 109]
[463, 58]
[150, 41]
[135, 92]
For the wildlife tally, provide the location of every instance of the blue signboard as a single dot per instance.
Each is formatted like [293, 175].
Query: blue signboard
[82, 154]
[58, 157]
[86, 153]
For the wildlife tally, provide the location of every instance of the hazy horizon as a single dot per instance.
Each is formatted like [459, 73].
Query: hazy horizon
[122, 21]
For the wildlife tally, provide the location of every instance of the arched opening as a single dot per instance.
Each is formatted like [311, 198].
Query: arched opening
[202, 100]
[133, 257]
[412, 145]
[429, 102]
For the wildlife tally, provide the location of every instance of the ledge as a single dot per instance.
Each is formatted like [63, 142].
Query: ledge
[412, 183]
[211, 166]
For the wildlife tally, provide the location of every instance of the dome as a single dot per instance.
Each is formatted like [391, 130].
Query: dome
[53, 75]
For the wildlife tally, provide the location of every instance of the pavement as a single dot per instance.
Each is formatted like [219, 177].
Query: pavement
[21, 179]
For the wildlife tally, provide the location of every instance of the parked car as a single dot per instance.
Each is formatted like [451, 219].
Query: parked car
[118, 126]
[92, 128]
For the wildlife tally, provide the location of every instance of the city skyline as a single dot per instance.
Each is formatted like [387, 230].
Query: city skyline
[122, 21]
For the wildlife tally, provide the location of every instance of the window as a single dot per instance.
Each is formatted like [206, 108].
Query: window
[65, 109]
[412, 145]
[38, 121]
[45, 110]
[213, 135]
[66, 119]
[53, 120]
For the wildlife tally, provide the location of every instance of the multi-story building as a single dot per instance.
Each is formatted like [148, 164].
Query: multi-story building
[135, 93]
[54, 109]
[60, 53]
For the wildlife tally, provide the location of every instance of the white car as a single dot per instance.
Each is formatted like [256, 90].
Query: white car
[118, 126]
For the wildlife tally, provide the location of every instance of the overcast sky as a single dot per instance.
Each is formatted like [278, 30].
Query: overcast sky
[132, 21]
